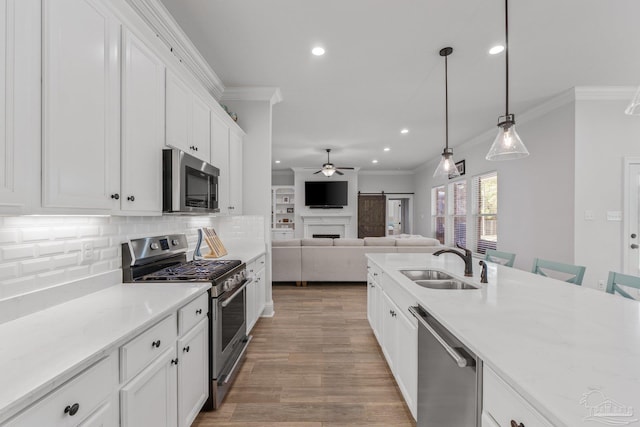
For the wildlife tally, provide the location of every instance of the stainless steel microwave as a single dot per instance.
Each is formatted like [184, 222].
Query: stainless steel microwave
[189, 185]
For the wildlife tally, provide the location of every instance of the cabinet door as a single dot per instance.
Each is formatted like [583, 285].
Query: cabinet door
[142, 127]
[371, 293]
[261, 292]
[235, 167]
[200, 141]
[388, 327]
[104, 416]
[220, 159]
[193, 373]
[250, 306]
[81, 105]
[178, 107]
[406, 369]
[150, 398]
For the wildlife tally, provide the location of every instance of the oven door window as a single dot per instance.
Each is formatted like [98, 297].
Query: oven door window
[232, 320]
[200, 189]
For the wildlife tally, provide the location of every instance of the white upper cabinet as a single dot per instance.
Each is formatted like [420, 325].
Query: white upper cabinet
[142, 127]
[81, 105]
[19, 105]
[188, 119]
[220, 159]
[235, 175]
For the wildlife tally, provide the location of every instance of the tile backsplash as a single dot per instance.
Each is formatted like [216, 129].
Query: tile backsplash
[37, 252]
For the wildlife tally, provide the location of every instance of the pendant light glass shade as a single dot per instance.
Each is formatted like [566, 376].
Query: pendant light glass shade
[328, 171]
[507, 145]
[634, 107]
[447, 167]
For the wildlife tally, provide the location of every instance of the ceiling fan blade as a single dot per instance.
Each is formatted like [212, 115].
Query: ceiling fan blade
[317, 172]
[340, 167]
[338, 172]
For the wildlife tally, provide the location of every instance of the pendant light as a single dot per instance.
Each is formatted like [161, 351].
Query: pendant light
[447, 166]
[507, 145]
[634, 107]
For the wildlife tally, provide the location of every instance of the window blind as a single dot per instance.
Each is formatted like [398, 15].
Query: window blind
[486, 211]
[438, 212]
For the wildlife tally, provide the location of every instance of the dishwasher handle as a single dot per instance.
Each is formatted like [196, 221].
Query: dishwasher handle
[460, 361]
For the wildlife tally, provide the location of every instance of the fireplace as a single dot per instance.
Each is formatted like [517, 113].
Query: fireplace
[326, 236]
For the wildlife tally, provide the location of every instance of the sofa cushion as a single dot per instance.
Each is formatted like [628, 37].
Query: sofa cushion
[348, 242]
[285, 242]
[424, 241]
[379, 241]
[316, 242]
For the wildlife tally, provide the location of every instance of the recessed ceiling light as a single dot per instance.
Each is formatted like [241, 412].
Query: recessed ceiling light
[318, 51]
[277, 161]
[403, 131]
[374, 161]
[387, 149]
[496, 49]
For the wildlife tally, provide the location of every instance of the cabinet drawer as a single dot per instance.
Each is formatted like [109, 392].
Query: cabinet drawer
[139, 352]
[88, 390]
[192, 313]
[502, 404]
[260, 263]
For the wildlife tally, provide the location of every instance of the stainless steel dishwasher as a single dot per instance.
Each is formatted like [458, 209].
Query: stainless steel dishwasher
[449, 377]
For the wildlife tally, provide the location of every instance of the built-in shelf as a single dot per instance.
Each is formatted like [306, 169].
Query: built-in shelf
[282, 222]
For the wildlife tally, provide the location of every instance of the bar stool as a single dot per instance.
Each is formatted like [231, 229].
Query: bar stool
[498, 257]
[616, 279]
[576, 272]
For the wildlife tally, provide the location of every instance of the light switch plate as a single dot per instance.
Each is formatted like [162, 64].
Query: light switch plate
[589, 215]
[614, 216]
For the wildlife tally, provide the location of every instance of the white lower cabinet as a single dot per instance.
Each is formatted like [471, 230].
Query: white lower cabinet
[76, 400]
[256, 292]
[104, 416]
[397, 334]
[193, 373]
[503, 406]
[151, 398]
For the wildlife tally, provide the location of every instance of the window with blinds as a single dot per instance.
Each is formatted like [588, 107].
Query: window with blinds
[486, 207]
[458, 212]
[438, 212]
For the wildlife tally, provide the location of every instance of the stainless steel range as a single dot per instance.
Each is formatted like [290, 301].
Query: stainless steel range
[164, 259]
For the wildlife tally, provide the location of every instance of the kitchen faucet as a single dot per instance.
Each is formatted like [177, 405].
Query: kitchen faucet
[467, 258]
[483, 275]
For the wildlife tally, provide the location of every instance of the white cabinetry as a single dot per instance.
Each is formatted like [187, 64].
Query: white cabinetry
[282, 212]
[193, 373]
[235, 173]
[187, 118]
[79, 399]
[142, 127]
[503, 406]
[256, 292]
[81, 105]
[220, 159]
[19, 105]
[397, 334]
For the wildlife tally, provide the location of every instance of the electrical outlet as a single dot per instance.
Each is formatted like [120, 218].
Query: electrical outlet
[601, 285]
[87, 251]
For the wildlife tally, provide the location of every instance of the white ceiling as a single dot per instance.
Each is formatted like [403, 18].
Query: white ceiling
[382, 71]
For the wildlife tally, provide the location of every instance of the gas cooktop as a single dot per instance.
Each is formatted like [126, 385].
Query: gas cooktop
[193, 271]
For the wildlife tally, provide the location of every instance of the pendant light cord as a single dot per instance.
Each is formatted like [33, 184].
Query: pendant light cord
[506, 54]
[446, 103]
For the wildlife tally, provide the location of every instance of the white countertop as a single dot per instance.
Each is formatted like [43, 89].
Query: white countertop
[244, 250]
[40, 351]
[551, 341]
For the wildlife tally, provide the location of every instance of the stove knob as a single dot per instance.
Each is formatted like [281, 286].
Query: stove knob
[175, 242]
[154, 246]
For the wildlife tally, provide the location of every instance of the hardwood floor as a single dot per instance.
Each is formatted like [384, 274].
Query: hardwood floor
[315, 363]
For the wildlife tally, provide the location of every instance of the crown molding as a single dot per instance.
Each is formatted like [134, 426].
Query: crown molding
[605, 93]
[387, 172]
[167, 29]
[255, 93]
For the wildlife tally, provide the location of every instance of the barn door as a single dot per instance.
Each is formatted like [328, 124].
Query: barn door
[372, 212]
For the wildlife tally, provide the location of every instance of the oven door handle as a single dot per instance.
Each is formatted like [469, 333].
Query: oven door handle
[236, 293]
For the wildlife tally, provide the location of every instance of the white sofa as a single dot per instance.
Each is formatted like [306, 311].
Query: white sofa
[336, 260]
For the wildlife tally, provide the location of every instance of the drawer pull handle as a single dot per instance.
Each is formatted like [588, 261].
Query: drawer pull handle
[186, 349]
[72, 409]
[115, 196]
[174, 361]
[155, 344]
[131, 198]
[515, 424]
[199, 311]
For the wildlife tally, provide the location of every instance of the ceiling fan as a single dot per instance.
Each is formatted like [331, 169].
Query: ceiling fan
[328, 168]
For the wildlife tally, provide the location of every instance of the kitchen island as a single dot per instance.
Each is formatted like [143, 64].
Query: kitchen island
[564, 350]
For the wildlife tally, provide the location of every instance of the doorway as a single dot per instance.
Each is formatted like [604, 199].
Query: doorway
[371, 215]
[631, 239]
[398, 216]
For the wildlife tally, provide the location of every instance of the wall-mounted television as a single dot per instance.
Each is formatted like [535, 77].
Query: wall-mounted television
[326, 194]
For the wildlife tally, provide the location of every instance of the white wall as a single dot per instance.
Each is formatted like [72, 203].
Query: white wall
[535, 194]
[282, 178]
[389, 182]
[604, 135]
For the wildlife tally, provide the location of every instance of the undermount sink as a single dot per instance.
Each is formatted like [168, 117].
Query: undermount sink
[425, 275]
[444, 284]
[434, 279]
